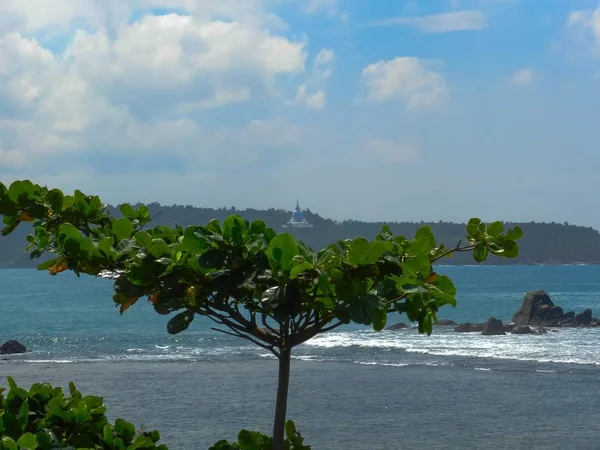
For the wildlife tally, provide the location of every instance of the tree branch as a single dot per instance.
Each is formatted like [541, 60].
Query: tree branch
[331, 327]
[244, 336]
[458, 248]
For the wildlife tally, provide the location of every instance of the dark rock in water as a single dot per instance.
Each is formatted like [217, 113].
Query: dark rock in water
[508, 327]
[584, 317]
[447, 323]
[398, 326]
[532, 303]
[522, 329]
[567, 323]
[469, 327]
[538, 310]
[12, 347]
[493, 327]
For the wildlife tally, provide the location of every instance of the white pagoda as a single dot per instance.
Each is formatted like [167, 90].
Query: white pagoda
[297, 220]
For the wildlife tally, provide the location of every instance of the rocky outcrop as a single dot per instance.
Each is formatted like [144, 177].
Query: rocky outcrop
[469, 327]
[522, 329]
[585, 317]
[398, 326]
[447, 323]
[493, 327]
[538, 309]
[12, 347]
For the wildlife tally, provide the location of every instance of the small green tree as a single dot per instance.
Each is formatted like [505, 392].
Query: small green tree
[252, 283]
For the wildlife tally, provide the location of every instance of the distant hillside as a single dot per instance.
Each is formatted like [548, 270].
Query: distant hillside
[544, 243]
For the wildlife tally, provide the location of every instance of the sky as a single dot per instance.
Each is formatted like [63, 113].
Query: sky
[382, 110]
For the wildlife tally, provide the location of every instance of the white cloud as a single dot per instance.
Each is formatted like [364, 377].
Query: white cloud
[523, 76]
[311, 93]
[328, 6]
[404, 78]
[587, 21]
[441, 23]
[391, 151]
[316, 101]
[132, 88]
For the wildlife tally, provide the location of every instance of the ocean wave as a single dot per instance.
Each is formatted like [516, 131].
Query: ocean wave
[565, 346]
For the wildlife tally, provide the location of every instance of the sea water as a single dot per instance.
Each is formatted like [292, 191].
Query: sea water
[351, 389]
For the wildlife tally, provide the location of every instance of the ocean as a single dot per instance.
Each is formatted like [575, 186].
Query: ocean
[351, 389]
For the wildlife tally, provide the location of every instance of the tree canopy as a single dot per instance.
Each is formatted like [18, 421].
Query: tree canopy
[253, 283]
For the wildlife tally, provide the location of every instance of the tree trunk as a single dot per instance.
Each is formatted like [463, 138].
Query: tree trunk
[283, 384]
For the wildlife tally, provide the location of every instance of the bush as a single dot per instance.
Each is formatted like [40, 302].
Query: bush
[44, 418]
[252, 440]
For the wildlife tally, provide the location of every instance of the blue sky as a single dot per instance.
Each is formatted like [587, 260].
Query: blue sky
[386, 110]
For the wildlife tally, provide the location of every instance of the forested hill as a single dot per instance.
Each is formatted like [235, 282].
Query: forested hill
[544, 243]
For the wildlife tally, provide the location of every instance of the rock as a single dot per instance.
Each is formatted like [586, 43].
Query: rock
[585, 317]
[447, 323]
[493, 327]
[567, 323]
[541, 330]
[569, 315]
[12, 347]
[469, 327]
[508, 327]
[532, 303]
[398, 326]
[522, 329]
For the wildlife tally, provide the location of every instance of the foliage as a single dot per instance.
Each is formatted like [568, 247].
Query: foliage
[252, 440]
[255, 284]
[46, 418]
[221, 270]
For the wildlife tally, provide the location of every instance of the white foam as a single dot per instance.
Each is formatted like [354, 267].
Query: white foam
[569, 346]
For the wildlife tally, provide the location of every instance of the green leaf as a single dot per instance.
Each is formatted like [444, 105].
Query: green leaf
[159, 248]
[18, 189]
[282, 249]
[359, 252]
[376, 251]
[8, 444]
[379, 319]
[444, 284]
[480, 253]
[82, 204]
[473, 226]
[420, 264]
[106, 245]
[28, 441]
[511, 249]
[300, 268]
[180, 322]
[514, 234]
[55, 197]
[257, 228]
[68, 230]
[122, 228]
[125, 429]
[496, 229]
[425, 234]
[235, 230]
[46, 265]
[127, 211]
[192, 242]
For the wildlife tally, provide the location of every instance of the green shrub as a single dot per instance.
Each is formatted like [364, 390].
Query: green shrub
[252, 440]
[45, 418]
